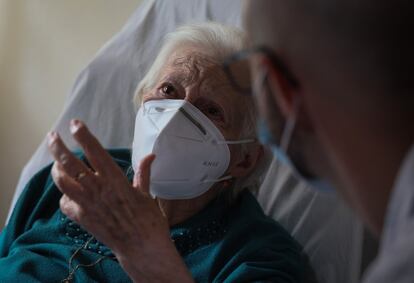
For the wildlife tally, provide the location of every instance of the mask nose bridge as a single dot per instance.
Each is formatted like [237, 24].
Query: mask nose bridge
[193, 121]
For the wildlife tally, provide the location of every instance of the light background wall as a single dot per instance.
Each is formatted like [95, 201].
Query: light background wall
[43, 45]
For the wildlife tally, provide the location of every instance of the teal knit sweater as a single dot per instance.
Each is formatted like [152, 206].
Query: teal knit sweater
[223, 243]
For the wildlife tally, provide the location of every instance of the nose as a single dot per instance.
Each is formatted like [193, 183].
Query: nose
[192, 95]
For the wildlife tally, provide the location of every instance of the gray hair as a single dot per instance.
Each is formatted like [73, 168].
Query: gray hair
[217, 41]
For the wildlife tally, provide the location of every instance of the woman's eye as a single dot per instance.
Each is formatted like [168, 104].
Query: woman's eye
[213, 111]
[168, 89]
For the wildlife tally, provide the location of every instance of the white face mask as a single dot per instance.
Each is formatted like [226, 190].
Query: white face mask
[191, 153]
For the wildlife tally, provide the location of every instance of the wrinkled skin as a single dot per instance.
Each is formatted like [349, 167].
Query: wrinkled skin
[121, 215]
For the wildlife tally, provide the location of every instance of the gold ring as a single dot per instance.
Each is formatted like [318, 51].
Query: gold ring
[80, 176]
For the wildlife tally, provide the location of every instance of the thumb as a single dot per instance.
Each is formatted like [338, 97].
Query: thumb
[141, 180]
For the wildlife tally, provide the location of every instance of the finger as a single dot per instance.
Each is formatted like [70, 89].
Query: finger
[66, 184]
[70, 208]
[97, 156]
[80, 215]
[142, 176]
[70, 164]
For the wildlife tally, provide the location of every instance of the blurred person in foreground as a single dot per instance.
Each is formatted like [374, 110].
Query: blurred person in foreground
[333, 83]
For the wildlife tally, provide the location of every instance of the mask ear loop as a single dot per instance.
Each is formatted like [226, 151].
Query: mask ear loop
[286, 138]
[291, 122]
[290, 126]
[228, 177]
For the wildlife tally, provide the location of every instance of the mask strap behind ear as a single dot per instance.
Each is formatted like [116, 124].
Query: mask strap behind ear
[290, 126]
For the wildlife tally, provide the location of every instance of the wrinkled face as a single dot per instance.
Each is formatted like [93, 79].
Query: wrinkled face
[191, 75]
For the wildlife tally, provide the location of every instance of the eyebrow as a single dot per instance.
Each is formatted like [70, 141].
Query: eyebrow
[180, 77]
[170, 77]
[193, 65]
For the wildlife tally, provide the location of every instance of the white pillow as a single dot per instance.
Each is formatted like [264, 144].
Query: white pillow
[102, 97]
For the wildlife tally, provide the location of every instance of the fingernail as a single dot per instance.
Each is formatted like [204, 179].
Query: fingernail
[63, 158]
[74, 125]
[51, 137]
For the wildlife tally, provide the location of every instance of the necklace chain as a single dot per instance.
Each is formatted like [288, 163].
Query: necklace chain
[72, 270]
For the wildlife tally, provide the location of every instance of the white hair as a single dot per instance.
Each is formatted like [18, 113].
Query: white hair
[217, 41]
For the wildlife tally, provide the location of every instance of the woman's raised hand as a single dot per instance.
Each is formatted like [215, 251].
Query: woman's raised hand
[121, 215]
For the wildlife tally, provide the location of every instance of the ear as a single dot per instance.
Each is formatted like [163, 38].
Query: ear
[248, 162]
[287, 97]
[283, 92]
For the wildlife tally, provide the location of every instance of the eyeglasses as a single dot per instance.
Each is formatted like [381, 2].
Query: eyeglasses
[237, 69]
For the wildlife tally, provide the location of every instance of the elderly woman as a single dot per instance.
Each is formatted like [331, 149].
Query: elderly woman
[183, 215]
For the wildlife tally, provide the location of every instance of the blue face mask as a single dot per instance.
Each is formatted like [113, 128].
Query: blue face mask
[265, 137]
